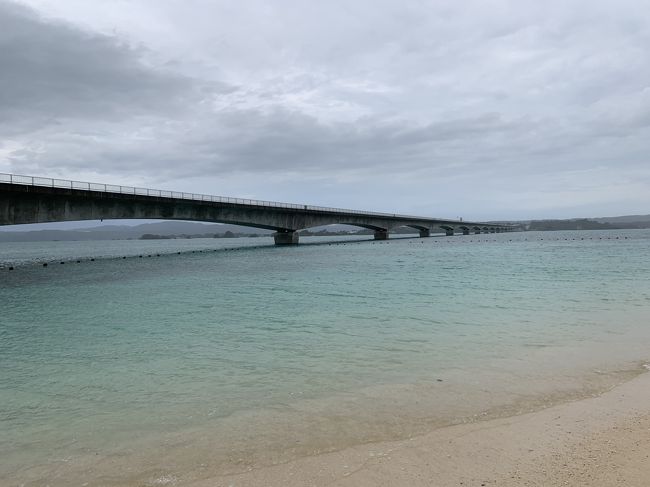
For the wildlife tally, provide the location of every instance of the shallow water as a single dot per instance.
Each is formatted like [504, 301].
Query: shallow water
[235, 353]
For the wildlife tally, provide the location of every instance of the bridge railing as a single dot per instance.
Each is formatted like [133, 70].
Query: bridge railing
[113, 188]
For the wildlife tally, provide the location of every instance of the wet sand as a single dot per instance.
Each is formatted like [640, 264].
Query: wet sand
[597, 441]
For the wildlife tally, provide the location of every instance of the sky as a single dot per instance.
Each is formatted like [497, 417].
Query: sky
[486, 110]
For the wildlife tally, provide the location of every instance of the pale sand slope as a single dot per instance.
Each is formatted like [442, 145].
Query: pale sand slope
[599, 441]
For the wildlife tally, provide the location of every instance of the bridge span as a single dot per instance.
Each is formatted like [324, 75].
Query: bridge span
[30, 199]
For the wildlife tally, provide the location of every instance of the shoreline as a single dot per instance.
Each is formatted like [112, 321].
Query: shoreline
[431, 456]
[603, 439]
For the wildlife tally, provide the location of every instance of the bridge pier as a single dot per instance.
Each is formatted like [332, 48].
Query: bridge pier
[465, 231]
[449, 232]
[286, 238]
[381, 234]
[425, 232]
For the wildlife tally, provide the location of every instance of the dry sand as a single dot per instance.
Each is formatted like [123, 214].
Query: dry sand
[598, 441]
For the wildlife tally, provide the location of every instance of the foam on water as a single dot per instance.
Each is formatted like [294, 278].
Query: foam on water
[180, 366]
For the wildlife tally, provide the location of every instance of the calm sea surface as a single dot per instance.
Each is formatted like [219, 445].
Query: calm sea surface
[234, 353]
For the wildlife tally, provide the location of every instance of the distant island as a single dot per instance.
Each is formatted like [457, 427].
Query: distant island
[604, 223]
[226, 234]
[189, 230]
[578, 224]
[324, 232]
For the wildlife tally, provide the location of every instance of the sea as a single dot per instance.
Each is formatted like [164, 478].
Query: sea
[163, 362]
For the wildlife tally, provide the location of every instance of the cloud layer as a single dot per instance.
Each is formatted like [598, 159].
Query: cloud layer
[487, 110]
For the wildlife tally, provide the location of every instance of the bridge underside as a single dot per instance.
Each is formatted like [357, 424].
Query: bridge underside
[21, 204]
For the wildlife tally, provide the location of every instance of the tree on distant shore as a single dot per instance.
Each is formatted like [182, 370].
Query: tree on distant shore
[576, 224]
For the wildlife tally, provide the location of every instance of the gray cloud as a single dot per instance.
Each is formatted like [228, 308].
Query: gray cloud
[53, 71]
[543, 108]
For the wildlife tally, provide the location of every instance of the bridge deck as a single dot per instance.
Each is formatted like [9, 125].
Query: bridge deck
[29, 199]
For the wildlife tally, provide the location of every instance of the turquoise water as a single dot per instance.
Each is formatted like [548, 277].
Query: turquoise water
[235, 353]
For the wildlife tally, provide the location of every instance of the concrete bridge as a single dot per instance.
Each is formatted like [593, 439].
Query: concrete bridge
[28, 199]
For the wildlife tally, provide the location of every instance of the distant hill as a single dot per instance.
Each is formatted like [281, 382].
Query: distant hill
[601, 223]
[162, 229]
[184, 229]
[124, 232]
[638, 221]
[575, 224]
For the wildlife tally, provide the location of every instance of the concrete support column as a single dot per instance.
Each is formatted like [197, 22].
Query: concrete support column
[449, 232]
[477, 232]
[492, 230]
[425, 233]
[465, 231]
[286, 238]
[381, 234]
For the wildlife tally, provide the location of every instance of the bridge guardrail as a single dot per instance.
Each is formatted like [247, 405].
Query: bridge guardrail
[113, 188]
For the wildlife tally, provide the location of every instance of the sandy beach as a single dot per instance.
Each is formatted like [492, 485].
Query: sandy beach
[597, 441]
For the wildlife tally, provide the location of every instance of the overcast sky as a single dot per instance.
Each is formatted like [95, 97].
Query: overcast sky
[480, 109]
